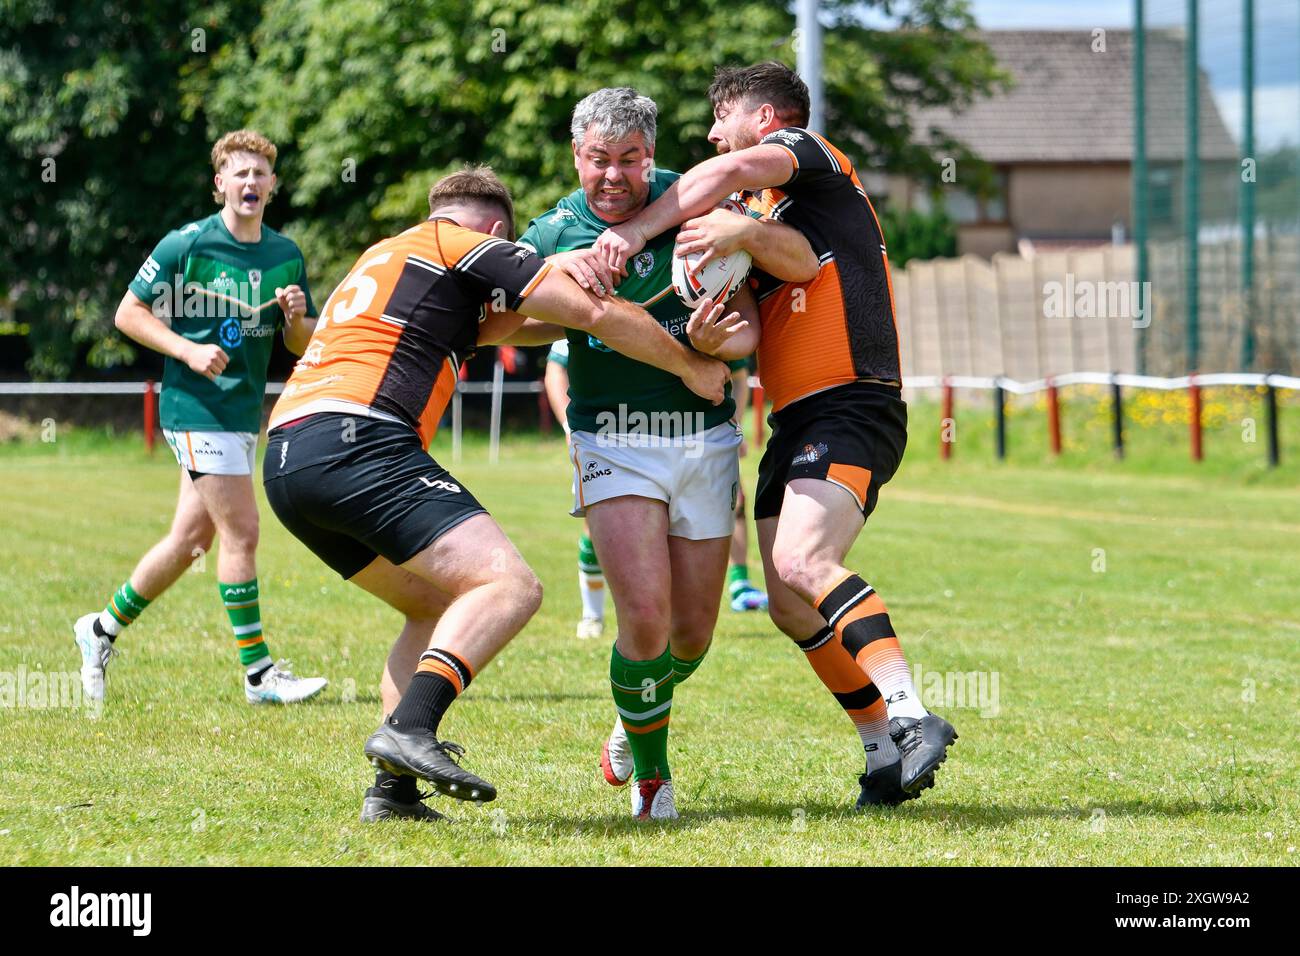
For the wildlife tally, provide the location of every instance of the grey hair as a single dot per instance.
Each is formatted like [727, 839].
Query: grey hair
[617, 112]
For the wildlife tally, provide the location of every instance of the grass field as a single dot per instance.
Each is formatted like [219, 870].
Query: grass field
[1125, 636]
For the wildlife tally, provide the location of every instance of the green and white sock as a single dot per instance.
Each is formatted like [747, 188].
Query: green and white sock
[738, 580]
[683, 668]
[643, 696]
[122, 609]
[245, 615]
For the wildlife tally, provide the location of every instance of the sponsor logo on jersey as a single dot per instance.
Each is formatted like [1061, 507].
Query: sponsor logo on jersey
[231, 333]
[810, 454]
[523, 252]
[190, 227]
[643, 263]
[222, 298]
[149, 271]
[563, 214]
[787, 136]
[254, 278]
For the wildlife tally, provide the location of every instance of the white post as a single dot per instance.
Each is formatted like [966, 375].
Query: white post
[498, 380]
[808, 57]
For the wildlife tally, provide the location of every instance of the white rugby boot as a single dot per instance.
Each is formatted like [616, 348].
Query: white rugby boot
[279, 686]
[590, 627]
[616, 756]
[96, 652]
[653, 800]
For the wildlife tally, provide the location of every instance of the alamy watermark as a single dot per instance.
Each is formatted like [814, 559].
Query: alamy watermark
[949, 690]
[627, 428]
[1089, 299]
[24, 689]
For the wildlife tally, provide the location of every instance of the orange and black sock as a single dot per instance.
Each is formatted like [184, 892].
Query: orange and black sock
[438, 681]
[858, 615]
[854, 692]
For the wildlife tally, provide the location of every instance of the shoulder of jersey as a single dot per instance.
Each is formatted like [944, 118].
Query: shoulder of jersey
[550, 225]
[789, 135]
[191, 232]
[277, 237]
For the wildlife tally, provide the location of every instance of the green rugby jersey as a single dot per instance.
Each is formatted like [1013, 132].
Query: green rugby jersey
[219, 291]
[607, 388]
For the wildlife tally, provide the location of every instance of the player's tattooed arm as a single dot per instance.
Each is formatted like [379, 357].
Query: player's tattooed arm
[726, 331]
[136, 321]
[779, 250]
[700, 189]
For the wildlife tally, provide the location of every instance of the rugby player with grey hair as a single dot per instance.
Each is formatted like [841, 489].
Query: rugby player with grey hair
[656, 471]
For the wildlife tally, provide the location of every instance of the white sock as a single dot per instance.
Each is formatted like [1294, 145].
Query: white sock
[592, 589]
[109, 624]
[904, 702]
[259, 665]
[880, 748]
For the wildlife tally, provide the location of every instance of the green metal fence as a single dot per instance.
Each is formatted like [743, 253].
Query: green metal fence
[1216, 183]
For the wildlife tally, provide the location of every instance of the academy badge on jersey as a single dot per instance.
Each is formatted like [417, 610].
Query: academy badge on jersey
[255, 278]
[643, 263]
[231, 333]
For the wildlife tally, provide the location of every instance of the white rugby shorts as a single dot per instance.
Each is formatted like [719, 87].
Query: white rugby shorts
[696, 476]
[214, 453]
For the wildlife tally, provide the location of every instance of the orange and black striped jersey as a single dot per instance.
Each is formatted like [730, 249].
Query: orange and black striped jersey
[391, 338]
[839, 327]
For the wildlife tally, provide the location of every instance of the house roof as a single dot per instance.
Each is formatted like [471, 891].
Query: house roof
[1069, 104]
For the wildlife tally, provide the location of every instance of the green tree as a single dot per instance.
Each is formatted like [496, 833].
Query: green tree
[369, 102]
[101, 159]
[381, 98]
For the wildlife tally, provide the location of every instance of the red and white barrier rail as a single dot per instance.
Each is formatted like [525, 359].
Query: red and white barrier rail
[1000, 386]
[1117, 381]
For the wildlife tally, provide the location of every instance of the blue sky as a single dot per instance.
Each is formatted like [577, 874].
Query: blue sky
[1277, 48]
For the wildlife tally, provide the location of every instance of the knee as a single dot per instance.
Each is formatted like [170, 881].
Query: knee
[789, 618]
[242, 533]
[645, 615]
[526, 591]
[194, 540]
[797, 571]
[691, 642]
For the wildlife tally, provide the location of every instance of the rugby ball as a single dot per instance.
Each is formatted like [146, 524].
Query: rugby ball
[721, 275]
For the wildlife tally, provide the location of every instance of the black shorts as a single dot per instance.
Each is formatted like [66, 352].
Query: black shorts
[852, 435]
[352, 488]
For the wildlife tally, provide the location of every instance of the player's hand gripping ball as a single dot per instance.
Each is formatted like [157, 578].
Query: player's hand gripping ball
[720, 276]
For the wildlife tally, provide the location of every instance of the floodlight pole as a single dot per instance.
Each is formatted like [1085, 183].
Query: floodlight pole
[1140, 169]
[1248, 185]
[1192, 187]
[808, 51]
